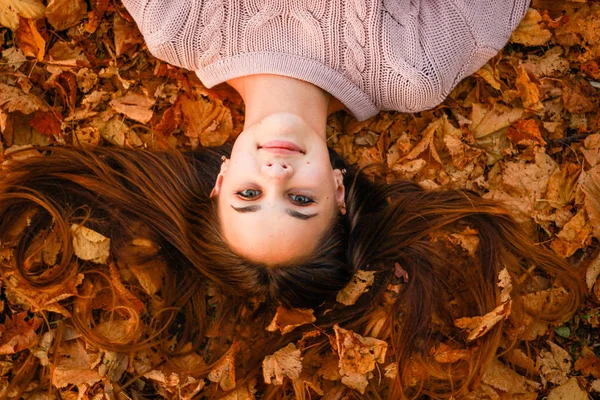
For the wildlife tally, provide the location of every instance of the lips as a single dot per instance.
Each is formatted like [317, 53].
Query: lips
[281, 147]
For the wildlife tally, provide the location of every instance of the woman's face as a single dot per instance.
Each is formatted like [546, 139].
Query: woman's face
[278, 194]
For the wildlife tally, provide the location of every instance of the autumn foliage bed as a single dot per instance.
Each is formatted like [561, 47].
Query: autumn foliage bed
[524, 130]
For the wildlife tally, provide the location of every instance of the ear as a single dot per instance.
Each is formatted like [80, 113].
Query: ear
[219, 182]
[340, 191]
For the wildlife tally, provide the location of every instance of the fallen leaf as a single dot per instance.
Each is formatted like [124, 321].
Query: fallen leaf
[445, 354]
[572, 236]
[579, 96]
[286, 320]
[480, 325]
[210, 122]
[13, 99]
[286, 362]
[554, 365]
[135, 106]
[18, 333]
[89, 245]
[63, 14]
[73, 365]
[568, 391]
[529, 91]
[505, 379]
[531, 31]
[47, 122]
[486, 121]
[29, 40]
[10, 11]
[360, 283]
[224, 371]
[126, 35]
[525, 132]
[592, 272]
[588, 364]
[591, 188]
[358, 356]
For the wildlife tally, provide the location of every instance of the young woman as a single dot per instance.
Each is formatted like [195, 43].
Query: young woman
[278, 218]
[290, 61]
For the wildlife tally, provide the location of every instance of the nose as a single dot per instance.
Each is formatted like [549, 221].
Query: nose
[277, 170]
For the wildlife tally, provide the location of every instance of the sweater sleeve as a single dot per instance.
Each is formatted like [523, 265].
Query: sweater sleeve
[170, 29]
[431, 45]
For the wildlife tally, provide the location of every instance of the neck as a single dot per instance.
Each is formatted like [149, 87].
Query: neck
[265, 95]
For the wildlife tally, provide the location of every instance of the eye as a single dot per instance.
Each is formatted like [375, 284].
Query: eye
[300, 200]
[248, 194]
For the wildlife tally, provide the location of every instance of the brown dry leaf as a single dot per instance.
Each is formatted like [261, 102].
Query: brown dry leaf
[531, 31]
[63, 14]
[468, 239]
[588, 363]
[119, 330]
[245, 392]
[506, 380]
[486, 121]
[46, 122]
[525, 132]
[426, 145]
[591, 149]
[210, 122]
[569, 391]
[490, 75]
[150, 275]
[224, 371]
[552, 63]
[122, 293]
[554, 365]
[43, 299]
[592, 272]
[126, 35]
[529, 91]
[445, 354]
[591, 188]
[10, 10]
[286, 320]
[29, 40]
[135, 106]
[579, 96]
[573, 235]
[286, 362]
[520, 185]
[18, 333]
[358, 356]
[89, 245]
[13, 99]
[360, 283]
[74, 365]
[479, 326]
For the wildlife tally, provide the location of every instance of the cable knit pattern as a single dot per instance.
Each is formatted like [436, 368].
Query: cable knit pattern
[372, 55]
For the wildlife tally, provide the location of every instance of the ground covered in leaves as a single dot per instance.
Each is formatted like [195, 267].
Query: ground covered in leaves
[524, 130]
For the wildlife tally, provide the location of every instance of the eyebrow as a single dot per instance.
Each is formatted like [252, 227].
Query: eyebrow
[288, 211]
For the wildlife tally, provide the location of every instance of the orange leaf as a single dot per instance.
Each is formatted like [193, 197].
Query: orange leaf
[29, 39]
[46, 122]
[525, 132]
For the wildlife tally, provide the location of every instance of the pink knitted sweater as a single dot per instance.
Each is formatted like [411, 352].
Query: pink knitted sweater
[372, 55]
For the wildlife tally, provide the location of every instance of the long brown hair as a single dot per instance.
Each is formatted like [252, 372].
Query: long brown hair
[164, 198]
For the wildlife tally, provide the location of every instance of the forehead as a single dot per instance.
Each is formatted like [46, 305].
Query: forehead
[270, 235]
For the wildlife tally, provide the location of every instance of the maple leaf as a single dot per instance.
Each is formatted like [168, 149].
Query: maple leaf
[14, 99]
[10, 10]
[588, 363]
[74, 365]
[287, 320]
[285, 362]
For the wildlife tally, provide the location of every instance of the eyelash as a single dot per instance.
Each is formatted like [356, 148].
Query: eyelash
[291, 196]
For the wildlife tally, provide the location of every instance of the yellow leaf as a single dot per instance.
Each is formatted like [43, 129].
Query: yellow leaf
[11, 9]
[89, 245]
[530, 32]
[287, 319]
[285, 362]
[359, 284]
